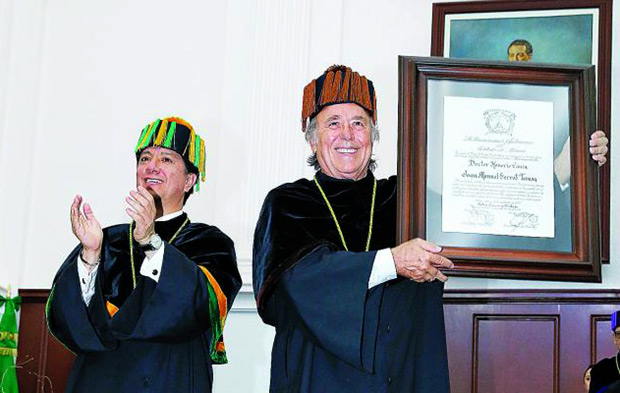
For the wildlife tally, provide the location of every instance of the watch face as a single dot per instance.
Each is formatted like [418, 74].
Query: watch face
[156, 241]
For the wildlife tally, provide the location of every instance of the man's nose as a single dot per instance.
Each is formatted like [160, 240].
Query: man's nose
[152, 166]
[346, 132]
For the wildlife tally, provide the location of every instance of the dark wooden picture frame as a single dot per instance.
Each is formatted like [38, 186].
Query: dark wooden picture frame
[582, 263]
[603, 64]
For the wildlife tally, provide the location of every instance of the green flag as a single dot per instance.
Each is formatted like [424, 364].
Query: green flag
[8, 343]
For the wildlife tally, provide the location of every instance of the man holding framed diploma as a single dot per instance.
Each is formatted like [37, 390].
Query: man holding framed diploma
[494, 166]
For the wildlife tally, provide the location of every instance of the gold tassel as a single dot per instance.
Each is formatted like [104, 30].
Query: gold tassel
[192, 147]
[201, 168]
[161, 135]
[145, 139]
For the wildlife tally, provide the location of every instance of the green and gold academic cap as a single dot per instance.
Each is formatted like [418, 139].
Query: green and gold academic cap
[175, 134]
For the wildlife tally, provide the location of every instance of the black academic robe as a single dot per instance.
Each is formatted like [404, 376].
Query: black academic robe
[160, 339]
[333, 334]
[604, 373]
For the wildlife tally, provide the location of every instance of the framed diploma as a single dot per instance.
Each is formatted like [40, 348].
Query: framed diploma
[494, 166]
[559, 31]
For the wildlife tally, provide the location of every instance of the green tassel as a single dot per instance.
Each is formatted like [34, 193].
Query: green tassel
[197, 161]
[171, 130]
[142, 135]
[161, 133]
[197, 151]
[147, 140]
[219, 357]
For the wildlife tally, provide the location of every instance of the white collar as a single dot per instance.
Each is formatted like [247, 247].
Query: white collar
[170, 216]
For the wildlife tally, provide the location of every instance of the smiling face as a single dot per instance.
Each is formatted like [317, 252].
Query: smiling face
[343, 144]
[162, 171]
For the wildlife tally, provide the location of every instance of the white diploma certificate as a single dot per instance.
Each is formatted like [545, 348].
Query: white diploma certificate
[498, 167]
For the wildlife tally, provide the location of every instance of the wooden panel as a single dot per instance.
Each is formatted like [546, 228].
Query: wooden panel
[503, 341]
[601, 344]
[553, 336]
[43, 363]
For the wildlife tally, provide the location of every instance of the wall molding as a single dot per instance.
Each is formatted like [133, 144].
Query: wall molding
[527, 296]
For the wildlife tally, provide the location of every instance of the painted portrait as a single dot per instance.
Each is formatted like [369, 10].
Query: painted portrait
[555, 37]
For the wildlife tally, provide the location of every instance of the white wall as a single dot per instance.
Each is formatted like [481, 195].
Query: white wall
[78, 80]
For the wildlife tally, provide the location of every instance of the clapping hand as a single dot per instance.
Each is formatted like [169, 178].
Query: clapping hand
[143, 211]
[87, 229]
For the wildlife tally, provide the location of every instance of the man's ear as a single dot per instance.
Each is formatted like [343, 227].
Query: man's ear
[190, 181]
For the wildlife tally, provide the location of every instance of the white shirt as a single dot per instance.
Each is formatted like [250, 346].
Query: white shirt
[383, 268]
[150, 268]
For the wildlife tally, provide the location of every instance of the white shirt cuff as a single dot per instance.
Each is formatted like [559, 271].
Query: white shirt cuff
[151, 268]
[383, 268]
[87, 280]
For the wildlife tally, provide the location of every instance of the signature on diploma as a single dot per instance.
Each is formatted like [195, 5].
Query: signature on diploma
[523, 220]
[479, 217]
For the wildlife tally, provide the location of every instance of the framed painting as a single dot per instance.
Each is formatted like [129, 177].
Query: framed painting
[494, 166]
[561, 31]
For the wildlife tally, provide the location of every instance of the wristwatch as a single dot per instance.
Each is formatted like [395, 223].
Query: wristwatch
[153, 244]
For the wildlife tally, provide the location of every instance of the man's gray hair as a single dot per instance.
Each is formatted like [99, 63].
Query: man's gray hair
[311, 137]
